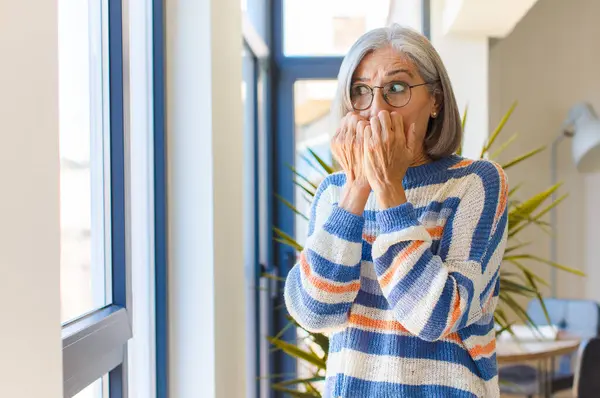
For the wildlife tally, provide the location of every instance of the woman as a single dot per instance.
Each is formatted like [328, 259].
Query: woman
[402, 259]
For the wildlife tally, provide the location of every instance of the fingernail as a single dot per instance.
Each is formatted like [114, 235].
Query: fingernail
[413, 127]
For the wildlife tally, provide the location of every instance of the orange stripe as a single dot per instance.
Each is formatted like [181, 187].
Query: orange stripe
[454, 337]
[400, 258]
[376, 324]
[485, 350]
[455, 313]
[436, 232]
[323, 285]
[369, 238]
[503, 194]
[462, 163]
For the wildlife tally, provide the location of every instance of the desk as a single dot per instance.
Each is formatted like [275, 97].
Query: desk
[542, 352]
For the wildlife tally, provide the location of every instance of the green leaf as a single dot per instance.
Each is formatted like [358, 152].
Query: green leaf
[526, 270]
[539, 215]
[506, 284]
[498, 129]
[539, 297]
[515, 189]
[303, 178]
[521, 158]
[517, 309]
[312, 165]
[328, 169]
[524, 209]
[273, 277]
[543, 260]
[464, 118]
[505, 328]
[300, 381]
[308, 191]
[284, 238]
[322, 341]
[516, 247]
[290, 206]
[296, 352]
[505, 145]
[293, 245]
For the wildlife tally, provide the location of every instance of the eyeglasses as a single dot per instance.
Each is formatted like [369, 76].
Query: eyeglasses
[396, 94]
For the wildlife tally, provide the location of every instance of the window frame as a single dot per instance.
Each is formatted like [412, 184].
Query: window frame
[96, 343]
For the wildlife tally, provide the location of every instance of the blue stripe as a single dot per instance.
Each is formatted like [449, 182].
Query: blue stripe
[450, 203]
[415, 285]
[372, 300]
[397, 218]
[495, 240]
[332, 179]
[367, 251]
[437, 323]
[394, 345]
[383, 262]
[330, 270]
[491, 183]
[345, 225]
[351, 387]
[476, 329]
[294, 289]
[370, 286]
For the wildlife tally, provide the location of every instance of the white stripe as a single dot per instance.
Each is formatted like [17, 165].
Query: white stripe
[367, 270]
[385, 241]
[418, 314]
[410, 371]
[334, 249]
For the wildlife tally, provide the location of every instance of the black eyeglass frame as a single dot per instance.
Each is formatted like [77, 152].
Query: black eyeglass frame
[372, 90]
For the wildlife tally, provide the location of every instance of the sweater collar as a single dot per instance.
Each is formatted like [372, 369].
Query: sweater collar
[428, 169]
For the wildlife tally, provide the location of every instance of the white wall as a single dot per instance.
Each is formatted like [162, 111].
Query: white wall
[549, 62]
[205, 151]
[30, 332]
[466, 59]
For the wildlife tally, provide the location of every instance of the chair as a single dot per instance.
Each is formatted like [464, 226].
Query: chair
[580, 318]
[587, 382]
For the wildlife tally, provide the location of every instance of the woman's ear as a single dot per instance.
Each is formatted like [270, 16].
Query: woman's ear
[437, 102]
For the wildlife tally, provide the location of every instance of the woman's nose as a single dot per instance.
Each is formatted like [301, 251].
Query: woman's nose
[378, 104]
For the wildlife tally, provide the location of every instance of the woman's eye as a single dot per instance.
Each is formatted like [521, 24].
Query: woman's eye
[397, 88]
[359, 90]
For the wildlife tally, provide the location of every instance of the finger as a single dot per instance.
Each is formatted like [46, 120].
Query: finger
[367, 136]
[411, 137]
[398, 123]
[387, 128]
[375, 131]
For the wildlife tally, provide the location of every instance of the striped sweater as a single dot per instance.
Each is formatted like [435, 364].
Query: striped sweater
[407, 294]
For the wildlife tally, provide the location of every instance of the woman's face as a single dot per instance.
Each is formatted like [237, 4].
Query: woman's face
[384, 66]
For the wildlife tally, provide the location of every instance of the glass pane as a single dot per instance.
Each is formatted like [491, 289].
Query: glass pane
[331, 30]
[82, 87]
[98, 389]
[313, 130]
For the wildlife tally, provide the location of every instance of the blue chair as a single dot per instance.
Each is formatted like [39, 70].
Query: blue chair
[580, 318]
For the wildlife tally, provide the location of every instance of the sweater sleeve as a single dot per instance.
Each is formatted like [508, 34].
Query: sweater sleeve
[321, 287]
[432, 298]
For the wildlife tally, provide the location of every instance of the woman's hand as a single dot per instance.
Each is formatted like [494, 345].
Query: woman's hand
[389, 151]
[347, 148]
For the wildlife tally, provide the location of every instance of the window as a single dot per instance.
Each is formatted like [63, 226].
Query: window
[333, 29]
[93, 131]
[84, 183]
[98, 389]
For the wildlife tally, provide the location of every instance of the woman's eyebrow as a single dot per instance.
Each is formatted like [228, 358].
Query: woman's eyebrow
[398, 71]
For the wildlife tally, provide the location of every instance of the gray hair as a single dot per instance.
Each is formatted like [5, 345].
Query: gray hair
[444, 133]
